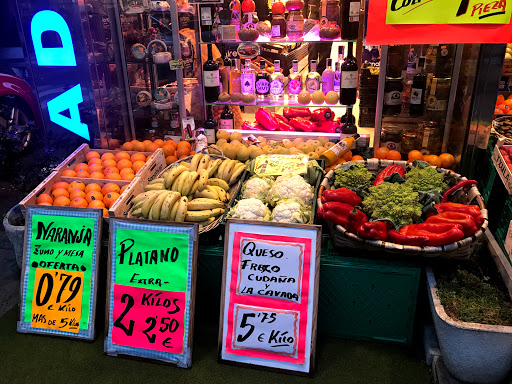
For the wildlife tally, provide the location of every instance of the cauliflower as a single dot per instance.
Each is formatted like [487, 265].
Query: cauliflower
[257, 187]
[422, 177]
[291, 186]
[291, 210]
[250, 209]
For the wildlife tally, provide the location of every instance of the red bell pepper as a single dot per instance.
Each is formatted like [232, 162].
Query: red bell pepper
[473, 210]
[336, 212]
[291, 112]
[355, 220]
[334, 218]
[326, 126]
[265, 117]
[252, 126]
[456, 187]
[280, 117]
[467, 221]
[343, 195]
[406, 239]
[437, 234]
[285, 126]
[322, 114]
[320, 212]
[301, 124]
[388, 171]
[375, 230]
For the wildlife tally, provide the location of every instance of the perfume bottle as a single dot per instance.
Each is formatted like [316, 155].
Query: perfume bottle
[277, 83]
[294, 83]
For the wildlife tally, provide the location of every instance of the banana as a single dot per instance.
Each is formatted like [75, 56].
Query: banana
[189, 183]
[168, 204]
[202, 180]
[203, 164]
[217, 211]
[221, 168]
[215, 191]
[218, 183]
[223, 196]
[154, 187]
[141, 197]
[206, 222]
[148, 203]
[194, 187]
[154, 212]
[136, 212]
[239, 168]
[198, 215]
[182, 209]
[172, 214]
[200, 204]
[227, 170]
[173, 174]
[190, 197]
[207, 194]
[160, 180]
[195, 161]
[178, 183]
[213, 166]
[185, 164]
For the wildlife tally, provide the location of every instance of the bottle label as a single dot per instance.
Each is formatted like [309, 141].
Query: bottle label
[211, 78]
[226, 123]
[337, 81]
[262, 86]
[434, 104]
[393, 98]
[339, 148]
[247, 82]
[349, 79]
[276, 87]
[294, 86]
[353, 13]
[276, 31]
[393, 146]
[206, 16]
[416, 96]
[327, 85]
[312, 85]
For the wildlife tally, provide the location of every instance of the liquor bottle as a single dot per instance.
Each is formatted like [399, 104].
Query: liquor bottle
[328, 77]
[207, 13]
[350, 19]
[210, 126]
[236, 15]
[211, 78]
[277, 83]
[234, 78]
[294, 83]
[227, 121]
[411, 64]
[313, 78]
[349, 69]
[419, 84]
[248, 78]
[349, 127]
[262, 82]
[337, 71]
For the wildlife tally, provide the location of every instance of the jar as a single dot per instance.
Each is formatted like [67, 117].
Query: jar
[391, 137]
[395, 61]
[278, 25]
[332, 11]
[410, 142]
[295, 24]
[431, 138]
[393, 96]
[439, 94]
[250, 20]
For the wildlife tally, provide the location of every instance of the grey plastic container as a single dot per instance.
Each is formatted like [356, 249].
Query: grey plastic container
[14, 224]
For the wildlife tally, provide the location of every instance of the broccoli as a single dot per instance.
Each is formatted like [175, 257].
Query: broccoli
[352, 176]
[425, 178]
[396, 202]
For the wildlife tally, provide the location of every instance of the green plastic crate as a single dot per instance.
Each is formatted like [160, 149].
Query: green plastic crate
[487, 172]
[503, 224]
[209, 279]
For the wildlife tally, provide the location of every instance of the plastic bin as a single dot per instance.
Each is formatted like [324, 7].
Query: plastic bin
[14, 224]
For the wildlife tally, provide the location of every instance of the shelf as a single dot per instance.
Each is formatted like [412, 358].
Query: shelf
[311, 37]
[280, 135]
[279, 105]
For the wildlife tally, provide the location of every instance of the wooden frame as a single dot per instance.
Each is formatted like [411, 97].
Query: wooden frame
[139, 353]
[90, 334]
[306, 369]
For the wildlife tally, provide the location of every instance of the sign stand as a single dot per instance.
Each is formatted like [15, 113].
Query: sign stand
[151, 290]
[60, 271]
[270, 285]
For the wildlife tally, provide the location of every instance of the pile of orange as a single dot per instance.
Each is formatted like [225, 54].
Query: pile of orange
[503, 106]
[172, 151]
[119, 166]
[78, 194]
[444, 160]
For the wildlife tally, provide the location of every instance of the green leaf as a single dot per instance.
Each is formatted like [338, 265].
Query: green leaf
[420, 164]
[395, 177]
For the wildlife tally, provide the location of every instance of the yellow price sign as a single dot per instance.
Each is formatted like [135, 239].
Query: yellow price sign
[448, 12]
[275, 165]
[57, 300]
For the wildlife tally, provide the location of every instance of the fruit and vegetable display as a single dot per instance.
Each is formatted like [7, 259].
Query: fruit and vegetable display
[414, 206]
[507, 156]
[173, 151]
[195, 192]
[443, 160]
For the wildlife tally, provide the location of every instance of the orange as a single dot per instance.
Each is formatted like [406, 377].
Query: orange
[96, 204]
[83, 174]
[500, 100]
[79, 202]
[382, 152]
[347, 156]
[113, 176]
[184, 143]
[137, 165]
[69, 173]
[434, 160]
[110, 187]
[114, 144]
[107, 156]
[147, 142]
[44, 198]
[95, 168]
[394, 155]
[128, 176]
[76, 185]
[108, 170]
[415, 155]
[77, 193]
[128, 146]
[124, 188]
[137, 157]
[92, 187]
[192, 153]
[47, 204]
[105, 212]
[124, 163]
[357, 157]
[183, 157]
[94, 195]
[94, 161]
[171, 142]
[426, 158]
[109, 163]
[169, 150]
[60, 192]
[124, 171]
[170, 159]
[92, 155]
[159, 142]
[61, 201]
[182, 151]
[97, 175]
[121, 155]
[60, 185]
[110, 198]
[447, 160]
[81, 167]
[151, 147]
[134, 141]
[139, 147]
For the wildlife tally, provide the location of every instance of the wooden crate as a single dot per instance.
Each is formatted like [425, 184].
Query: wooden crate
[122, 206]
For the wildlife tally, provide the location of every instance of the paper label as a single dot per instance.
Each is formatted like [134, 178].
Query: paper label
[276, 87]
[312, 85]
[211, 78]
[294, 86]
[226, 123]
[262, 86]
[248, 82]
[393, 98]
[281, 164]
[353, 14]
[206, 16]
[276, 31]
[349, 79]
[416, 96]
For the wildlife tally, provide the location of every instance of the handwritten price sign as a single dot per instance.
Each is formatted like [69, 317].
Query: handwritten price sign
[274, 165]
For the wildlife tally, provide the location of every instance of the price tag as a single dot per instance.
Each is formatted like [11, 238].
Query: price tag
[275, 165]
[270, 298]
[60, 271]
[150, 290]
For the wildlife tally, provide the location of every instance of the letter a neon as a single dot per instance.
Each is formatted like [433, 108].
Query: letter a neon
[69, 100]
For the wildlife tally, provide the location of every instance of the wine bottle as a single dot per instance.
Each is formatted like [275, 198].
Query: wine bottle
[350, 19]
[227, 120]
[349, 72]
[211, 79]
[262, 82]
[349, 127]
[210, 126]
[207, 20]
[419, 84]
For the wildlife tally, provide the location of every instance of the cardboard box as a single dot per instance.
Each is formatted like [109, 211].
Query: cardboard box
[500, 165]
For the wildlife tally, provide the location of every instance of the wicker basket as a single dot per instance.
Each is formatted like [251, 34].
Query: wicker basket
[461, 249]
[495, 124]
